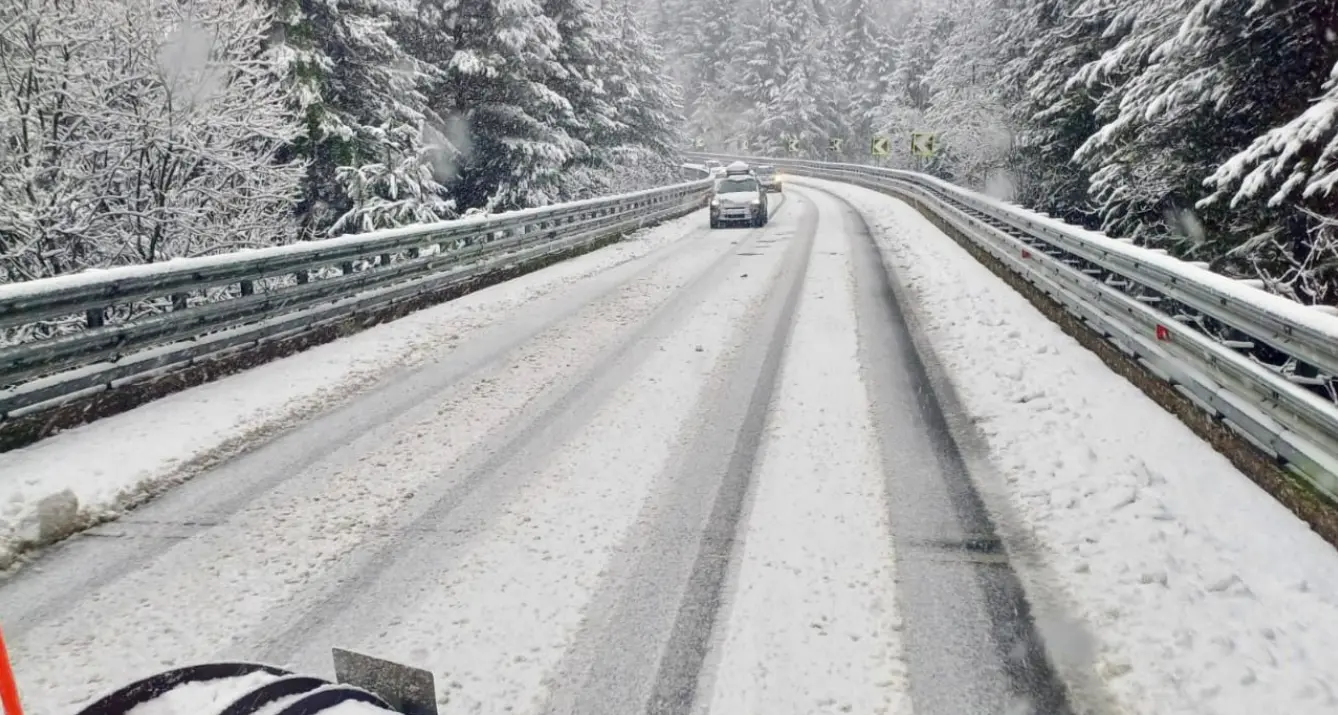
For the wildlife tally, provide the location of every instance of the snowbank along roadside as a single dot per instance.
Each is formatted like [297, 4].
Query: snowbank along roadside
[93, 472]
[1203, 594]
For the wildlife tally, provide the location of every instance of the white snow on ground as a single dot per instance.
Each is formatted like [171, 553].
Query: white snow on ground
[496, 622]
[813, 625]
[102, 463]
[1204, 595]
[256, 567]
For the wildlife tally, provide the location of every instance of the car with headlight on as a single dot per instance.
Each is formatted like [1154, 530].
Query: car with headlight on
[769, 178]
[739, 199]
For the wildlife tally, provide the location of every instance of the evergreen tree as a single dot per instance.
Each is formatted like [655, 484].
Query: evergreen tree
[801, 108]
[363, 137]
[964, 105]
[581, 50]
[1046, 43]
[862, 69]
[709, 72]
[639, 149]
[491, 61]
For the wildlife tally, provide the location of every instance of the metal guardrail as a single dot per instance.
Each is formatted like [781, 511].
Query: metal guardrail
[86, 332]
[1260, 363]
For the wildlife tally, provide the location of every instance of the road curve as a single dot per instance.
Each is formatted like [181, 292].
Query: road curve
[711, 480]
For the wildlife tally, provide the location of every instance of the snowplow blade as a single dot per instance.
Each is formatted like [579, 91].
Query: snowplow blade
[239, 688]
[408, 690]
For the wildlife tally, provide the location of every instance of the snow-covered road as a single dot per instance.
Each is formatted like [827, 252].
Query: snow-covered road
[704, 472]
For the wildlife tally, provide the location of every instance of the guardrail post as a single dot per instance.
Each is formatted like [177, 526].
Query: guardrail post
[385, 259]
[248, 288]
[180, 301]
[346, 267]
[303, 277]
[94, 318]
[415, 252]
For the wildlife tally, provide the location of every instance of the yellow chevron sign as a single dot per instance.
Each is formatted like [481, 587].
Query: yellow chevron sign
[881, 146]
[924, 144]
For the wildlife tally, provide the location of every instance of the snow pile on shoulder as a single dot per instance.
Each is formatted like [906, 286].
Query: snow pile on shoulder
[1203, 594]
[60, 485]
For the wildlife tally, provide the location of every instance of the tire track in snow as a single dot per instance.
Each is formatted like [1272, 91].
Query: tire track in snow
[970, 641]
[496, 618]
[41, 594]
[675, 688]
[200, 585]
[812, 622]
[650, 622]
[471, 493]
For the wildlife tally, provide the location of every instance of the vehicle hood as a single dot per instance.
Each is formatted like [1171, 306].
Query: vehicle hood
[737, 197]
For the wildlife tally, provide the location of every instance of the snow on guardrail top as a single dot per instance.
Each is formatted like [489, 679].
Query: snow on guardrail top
[92, 276]
[1319, 319]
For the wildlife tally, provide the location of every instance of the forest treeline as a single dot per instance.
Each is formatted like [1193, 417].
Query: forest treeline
[1204, 127]
[142, 130]
[136, 131]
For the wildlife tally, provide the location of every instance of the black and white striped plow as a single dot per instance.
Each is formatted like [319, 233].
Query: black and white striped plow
[363, 686]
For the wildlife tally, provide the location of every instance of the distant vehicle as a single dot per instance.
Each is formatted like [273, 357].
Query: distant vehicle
[713, 167]
[739, 199]
[768, 177]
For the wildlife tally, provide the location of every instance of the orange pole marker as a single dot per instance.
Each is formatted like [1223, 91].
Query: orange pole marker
[9, 688]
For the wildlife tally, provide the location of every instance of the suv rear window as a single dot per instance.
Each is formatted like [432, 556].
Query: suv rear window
[730, 186]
